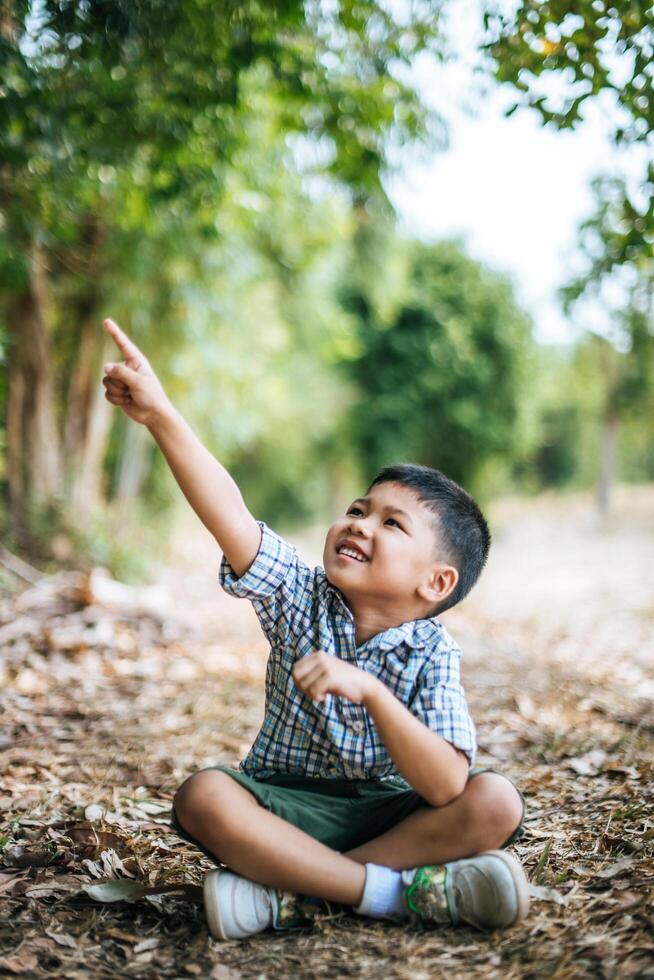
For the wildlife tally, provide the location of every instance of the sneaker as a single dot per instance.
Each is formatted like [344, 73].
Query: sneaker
[488, 891]
[237, 907]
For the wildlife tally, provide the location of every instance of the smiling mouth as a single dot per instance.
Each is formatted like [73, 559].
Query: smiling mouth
[351, 555]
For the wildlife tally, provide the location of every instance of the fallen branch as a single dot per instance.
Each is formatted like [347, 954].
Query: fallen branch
[18, 567]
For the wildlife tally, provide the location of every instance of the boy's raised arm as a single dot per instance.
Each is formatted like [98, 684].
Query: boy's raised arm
[206, 484]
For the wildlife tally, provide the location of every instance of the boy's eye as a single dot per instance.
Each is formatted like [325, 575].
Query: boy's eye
[359, 511]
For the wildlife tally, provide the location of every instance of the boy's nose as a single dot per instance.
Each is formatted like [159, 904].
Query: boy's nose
[359, 526]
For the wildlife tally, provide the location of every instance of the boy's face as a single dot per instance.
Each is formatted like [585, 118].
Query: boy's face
[393, 531]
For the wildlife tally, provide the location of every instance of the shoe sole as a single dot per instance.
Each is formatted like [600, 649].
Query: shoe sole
[519, 880]
[211, 905]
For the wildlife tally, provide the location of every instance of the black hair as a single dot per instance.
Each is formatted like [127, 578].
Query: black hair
[460, 527]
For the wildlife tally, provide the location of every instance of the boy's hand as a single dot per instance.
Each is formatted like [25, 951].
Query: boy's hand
[319, 674]
[133, 385]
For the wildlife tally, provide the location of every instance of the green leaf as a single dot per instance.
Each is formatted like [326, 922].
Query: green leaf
[126, 890]
[116, 890]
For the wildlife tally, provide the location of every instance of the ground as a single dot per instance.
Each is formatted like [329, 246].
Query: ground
[109, 703]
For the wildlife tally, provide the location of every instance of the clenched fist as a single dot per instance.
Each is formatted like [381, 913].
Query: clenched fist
[319, 674]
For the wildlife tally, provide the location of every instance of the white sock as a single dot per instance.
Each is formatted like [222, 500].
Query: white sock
[383, 894]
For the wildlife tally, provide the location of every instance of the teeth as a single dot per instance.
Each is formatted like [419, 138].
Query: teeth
[352, 554]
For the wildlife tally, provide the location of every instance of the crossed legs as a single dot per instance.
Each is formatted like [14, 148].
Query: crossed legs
[229, 822]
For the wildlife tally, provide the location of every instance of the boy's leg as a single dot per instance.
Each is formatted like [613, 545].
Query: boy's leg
[226, 819]
[482, 818]
[488, 891]
[229, 822]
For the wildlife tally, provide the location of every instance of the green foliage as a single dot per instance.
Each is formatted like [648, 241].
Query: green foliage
[574, 392]
[124, 128]
[556, 458]
[594, 51]
[440, 381]
[578, 42]
[147, 99]
[602, 52]
[622, 352]
[242, 328]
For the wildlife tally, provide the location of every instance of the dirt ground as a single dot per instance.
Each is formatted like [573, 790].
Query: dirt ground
[107, 707]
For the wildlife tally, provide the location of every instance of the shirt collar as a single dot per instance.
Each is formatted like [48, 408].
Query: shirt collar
[414, 634]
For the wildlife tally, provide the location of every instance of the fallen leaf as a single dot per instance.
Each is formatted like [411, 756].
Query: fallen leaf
[62, 938]
[116, 890]
[7, 881]
[590, 764]
[615, 869]
[125, 890]
[223, 972]
[94, 811]
[146, 944]
[52, 886]
[544, 894]
[92, 842]
[113, 865]
[20, 963]
[121, 935]
[19, 856]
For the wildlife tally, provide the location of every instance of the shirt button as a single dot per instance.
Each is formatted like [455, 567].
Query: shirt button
[358, 727]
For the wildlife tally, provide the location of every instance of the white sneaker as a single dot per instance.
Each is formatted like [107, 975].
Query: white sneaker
[489, 891]
[237, 907]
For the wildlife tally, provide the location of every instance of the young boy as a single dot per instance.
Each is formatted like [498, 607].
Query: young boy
[358, 788]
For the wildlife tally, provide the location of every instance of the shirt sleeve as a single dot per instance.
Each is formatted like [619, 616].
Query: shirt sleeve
[278, 583]
[440, 702]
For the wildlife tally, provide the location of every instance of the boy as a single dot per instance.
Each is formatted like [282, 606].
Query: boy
[358, 788]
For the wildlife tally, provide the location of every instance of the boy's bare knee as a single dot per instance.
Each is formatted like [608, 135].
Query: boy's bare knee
[493, 809]
[201, 799]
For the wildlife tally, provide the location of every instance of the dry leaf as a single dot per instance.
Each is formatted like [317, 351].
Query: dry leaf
[20, 963]
[615, 869]
[62, 938]
[19, 856]
[89, 729]
[94, 811]
[544, 894]
[223, 972]
[147, 944]
[590, 764]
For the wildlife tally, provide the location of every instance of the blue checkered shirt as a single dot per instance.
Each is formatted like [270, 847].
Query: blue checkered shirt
[301, 612]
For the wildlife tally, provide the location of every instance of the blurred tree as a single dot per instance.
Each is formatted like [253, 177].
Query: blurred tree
[264, 323]
[440, 378]
[624, 345]
[601, 52]
[116, 120]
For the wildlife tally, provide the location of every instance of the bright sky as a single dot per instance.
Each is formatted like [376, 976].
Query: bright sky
[513, 189]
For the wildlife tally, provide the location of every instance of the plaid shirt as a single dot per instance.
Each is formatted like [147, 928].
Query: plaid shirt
[301, 612]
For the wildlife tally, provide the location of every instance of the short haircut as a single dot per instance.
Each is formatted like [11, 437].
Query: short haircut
[461, 533]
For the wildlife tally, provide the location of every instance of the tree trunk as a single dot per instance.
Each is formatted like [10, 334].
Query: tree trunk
[33, 452]
[86, 491]
[88, 415]
[133, 468]
[88, 419]
[608, 443]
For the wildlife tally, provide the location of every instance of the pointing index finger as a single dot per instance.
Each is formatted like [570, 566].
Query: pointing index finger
[127, 348]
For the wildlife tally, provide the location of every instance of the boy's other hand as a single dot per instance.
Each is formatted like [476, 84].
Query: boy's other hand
[132, 384]
[320, 674]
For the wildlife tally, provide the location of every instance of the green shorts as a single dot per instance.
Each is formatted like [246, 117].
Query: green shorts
[341, 813]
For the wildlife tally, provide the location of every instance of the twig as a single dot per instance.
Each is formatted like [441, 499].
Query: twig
[19, 567]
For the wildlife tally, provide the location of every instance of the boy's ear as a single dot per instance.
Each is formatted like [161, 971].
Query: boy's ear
[441, 583]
